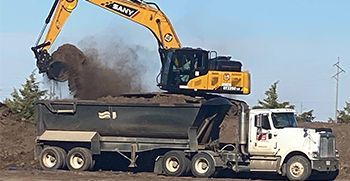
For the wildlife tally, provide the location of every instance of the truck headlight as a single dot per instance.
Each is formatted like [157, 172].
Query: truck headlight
[314, 154]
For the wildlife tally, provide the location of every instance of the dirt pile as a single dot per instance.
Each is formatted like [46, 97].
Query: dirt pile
[151, 98]
[229, 129]
[89, 77]
[16, 141]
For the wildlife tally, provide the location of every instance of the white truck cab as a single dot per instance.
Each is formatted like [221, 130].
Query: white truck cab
[275, 143]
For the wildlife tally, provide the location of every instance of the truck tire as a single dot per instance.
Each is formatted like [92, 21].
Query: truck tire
[64, 156]
[203, 165]
[52, 158]
[298, 168]
[79, 159]
[175, 163]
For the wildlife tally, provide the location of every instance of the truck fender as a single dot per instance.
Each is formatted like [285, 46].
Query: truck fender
[287, 156]
[72, 136]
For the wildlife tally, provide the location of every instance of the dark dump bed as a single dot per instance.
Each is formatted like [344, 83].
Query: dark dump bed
[132, 119]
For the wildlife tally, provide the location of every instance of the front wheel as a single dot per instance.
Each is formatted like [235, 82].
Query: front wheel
[298, 168]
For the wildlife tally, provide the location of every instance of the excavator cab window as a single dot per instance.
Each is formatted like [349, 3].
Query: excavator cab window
[185, 63]
[179, 66]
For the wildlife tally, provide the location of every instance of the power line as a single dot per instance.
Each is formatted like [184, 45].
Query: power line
[336, 77]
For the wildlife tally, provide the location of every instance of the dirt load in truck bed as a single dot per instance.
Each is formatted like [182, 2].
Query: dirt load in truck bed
[151, 98]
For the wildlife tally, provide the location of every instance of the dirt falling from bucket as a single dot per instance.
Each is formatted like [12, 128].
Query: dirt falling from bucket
[89, 77]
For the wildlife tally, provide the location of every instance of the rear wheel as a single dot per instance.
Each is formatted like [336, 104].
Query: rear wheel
[298, 168]
[52, 158]
[203, 165]
[79, 159]
[175, 163]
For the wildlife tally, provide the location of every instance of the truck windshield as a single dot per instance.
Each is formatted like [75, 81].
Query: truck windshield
[283, 120]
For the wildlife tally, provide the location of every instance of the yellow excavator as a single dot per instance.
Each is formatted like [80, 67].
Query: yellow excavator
[183, 70]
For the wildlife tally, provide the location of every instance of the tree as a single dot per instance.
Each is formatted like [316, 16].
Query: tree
[306, 116]
[22, 101]
[344, 115]
[271, 100]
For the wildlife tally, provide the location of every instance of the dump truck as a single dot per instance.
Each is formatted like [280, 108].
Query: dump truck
[182, 137]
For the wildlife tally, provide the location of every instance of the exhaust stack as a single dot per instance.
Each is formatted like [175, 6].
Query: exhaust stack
[243, 130]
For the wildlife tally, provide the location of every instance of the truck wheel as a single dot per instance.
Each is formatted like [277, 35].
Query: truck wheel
[203, 165]
[175, 163]
[298, 168]
[52, 158]
[79, 159]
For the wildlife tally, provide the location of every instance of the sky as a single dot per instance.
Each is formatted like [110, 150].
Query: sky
[293, 42]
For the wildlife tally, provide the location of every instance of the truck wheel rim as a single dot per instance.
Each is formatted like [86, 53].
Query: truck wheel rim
[49, 160]
[172, 164]
[201, 165]
[76, 161]
[297, 169]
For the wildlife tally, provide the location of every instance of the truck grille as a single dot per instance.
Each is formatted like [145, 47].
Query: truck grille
[327, 146]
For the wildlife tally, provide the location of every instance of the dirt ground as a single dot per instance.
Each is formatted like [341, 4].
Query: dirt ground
[125, 176]
[17, 163]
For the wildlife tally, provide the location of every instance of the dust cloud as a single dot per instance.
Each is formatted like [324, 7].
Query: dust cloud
[93, 73]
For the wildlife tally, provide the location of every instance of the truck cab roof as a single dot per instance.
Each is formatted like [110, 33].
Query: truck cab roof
[264, 111]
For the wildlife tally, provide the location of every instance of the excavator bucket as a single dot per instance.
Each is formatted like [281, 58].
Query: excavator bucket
[57, 71]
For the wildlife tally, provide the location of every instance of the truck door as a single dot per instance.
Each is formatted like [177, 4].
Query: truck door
[262, 141]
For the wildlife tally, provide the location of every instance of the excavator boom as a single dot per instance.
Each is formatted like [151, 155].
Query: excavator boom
[144, 13]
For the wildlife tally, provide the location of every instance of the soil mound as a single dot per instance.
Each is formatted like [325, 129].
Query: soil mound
[16, 141]
[152, 98]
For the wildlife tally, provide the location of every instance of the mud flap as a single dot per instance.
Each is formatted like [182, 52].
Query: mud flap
[158, 165]
[283, 170]
[37, 150]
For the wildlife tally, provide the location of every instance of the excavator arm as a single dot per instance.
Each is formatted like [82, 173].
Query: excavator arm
[144, 13]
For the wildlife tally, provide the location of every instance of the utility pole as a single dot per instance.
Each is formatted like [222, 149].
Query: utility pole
[336, 77]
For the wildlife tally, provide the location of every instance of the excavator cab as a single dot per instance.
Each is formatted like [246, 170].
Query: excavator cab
[195, 70]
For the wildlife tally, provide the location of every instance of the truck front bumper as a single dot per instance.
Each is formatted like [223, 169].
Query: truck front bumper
[325, 164]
